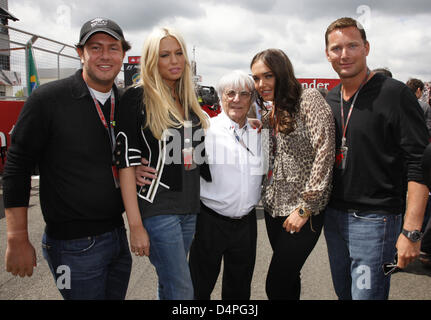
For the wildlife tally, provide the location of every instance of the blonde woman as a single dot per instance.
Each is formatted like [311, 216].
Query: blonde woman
[160, 120]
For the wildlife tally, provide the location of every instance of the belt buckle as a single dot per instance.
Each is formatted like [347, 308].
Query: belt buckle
[237, 218]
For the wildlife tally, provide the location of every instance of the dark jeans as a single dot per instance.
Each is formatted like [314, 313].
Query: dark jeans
[234, 241]
[91, 268]
[283, 281]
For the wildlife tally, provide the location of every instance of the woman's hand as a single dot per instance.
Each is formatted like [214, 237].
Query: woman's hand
[255, 124]
[139, 241]
[294, 222]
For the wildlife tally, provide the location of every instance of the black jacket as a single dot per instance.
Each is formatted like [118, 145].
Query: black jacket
[60, 131]
[386, 138]
[135, 142]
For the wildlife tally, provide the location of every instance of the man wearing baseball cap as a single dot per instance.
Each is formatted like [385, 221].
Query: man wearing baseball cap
[66, 129]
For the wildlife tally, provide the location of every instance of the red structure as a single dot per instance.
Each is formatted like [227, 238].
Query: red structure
[9, 112]
[212, 111]
[319, 83]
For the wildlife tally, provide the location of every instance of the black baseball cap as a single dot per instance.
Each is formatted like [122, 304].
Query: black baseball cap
[100, 25]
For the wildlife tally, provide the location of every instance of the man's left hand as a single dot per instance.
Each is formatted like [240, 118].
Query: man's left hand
[144, 173]
[408, 251]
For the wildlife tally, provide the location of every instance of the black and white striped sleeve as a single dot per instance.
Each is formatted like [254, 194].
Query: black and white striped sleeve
[128, 129]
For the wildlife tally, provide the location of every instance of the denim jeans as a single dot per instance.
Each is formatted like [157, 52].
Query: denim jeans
[91, 268]
[359, 243]
[170, 240]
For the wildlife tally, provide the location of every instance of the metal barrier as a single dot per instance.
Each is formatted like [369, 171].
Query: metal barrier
[54, 59]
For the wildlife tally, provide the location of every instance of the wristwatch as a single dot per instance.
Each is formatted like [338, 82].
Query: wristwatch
[304, 212]
[414, 235]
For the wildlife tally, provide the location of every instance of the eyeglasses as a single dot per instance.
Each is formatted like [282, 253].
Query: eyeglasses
[391, 268]
[231, 94]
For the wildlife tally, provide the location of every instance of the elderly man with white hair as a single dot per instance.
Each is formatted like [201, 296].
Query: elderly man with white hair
[226, 226]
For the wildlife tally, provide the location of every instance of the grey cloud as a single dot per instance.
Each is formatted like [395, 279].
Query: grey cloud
[131, 15]
[252, 5]
[135, 15]
[334, 9]
[226, 45]
[296, 26]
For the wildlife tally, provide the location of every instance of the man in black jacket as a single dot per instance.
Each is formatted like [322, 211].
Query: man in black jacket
[66, 128]
[379, 127]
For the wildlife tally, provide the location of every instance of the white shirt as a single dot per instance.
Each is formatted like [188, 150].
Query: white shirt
[236, 172]
[101, 96]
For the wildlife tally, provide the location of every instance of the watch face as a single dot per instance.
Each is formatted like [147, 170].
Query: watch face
[304, 213]
[415, 236]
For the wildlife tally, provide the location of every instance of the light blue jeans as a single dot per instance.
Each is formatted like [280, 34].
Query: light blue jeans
[359, 243]
[170, 240]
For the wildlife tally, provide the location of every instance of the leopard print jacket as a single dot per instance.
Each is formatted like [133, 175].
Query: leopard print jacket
[301, 161]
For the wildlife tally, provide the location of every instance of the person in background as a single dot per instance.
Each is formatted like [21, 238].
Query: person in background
[160, 119]
[384, 71]
[379, 129]
[226, 226]
[323, 92]
[208, 100]
[64, 129]
[417, 87]
[297, 185]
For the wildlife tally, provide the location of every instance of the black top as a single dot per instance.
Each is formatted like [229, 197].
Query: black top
[60, 131]
[386, 130]
[426, 165]
[184, 201]
[176, 191]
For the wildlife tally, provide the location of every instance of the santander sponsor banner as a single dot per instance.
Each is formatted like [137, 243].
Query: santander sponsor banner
[319, 83]
[134, 59]
[9, 112]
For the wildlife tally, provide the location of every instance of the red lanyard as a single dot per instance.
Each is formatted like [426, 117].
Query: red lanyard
[344, 127]
[111, 125]
[110, 128]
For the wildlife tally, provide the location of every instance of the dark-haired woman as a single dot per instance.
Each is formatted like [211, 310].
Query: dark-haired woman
[301, 156]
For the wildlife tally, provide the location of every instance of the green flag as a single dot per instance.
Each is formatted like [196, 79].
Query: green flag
[32, 78]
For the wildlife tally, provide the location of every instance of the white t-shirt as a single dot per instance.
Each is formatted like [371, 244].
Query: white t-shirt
[101, 96]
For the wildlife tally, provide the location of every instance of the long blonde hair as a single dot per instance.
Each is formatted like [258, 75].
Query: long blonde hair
[160, 107]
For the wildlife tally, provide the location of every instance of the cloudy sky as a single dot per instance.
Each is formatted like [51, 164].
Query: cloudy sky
[227, 33]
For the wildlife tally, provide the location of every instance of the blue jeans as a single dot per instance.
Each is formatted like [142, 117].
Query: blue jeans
[170, 240]
[91, 268]
[359, 243]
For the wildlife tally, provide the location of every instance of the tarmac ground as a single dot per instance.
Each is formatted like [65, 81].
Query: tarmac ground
[413, 283]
